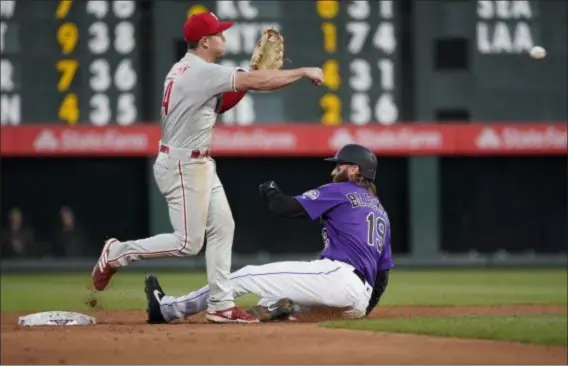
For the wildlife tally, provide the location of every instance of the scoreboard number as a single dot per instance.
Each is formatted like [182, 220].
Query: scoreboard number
[124, 40]
[99, 41]
[331, 104]
[386, 110]
[68, 69]
[359, 32]
[67, 37]
[63, 8]
[100, 79]
[69, 109]
[360, 79]
[121, 77]
[125, 76]
[386, 67]
[384, 38]
[329, 37]
[123, 8]
[100, 109]
[327, 9]
[126, 109]
[372, 97]
[330, 70]
[359, 9]
[98, 9]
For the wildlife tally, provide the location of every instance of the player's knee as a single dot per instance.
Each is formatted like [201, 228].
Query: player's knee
[222, 232]
[187, 246]
[227, 223]
[192, 250]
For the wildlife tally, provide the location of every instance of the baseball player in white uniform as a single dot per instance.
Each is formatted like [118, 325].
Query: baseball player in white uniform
[196, 89]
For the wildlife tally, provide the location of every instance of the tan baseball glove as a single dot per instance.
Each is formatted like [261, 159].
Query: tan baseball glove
[269, 51]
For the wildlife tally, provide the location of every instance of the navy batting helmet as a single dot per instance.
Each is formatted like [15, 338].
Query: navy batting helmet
[358, 155]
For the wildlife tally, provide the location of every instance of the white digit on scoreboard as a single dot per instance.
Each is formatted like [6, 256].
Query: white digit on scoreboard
[384, 108]
[99, 41]
[360, 79]
[386, 68]
[99, 69]
[100, 109]
[126, 109]
[386, 111]
[123, 8]
[359, 32]
[97, 8]
[124, 38]
[360, 110]
[125, 76]
[100, 80]
[384, 38]
[386, 9]
[359, 9]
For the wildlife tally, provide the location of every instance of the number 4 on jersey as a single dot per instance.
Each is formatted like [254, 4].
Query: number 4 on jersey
[166, 100]
[377, 229]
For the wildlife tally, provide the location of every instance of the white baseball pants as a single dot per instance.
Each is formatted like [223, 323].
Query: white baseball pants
[309, 284]
[198, 207]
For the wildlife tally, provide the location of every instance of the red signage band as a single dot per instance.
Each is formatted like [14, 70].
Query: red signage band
[294, 140]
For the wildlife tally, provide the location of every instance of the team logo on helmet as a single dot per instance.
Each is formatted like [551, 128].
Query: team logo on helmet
[311, 194]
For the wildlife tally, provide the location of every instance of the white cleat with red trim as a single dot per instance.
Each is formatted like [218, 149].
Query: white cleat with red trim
[232, 315]
[103, 272]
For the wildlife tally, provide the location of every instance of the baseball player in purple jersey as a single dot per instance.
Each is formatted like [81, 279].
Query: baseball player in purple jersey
[353, 268]
[195, 91]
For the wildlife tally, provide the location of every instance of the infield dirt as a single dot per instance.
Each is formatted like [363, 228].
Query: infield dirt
[125, 338]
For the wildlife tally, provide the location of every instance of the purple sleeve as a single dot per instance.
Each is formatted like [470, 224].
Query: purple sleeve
[318, 201]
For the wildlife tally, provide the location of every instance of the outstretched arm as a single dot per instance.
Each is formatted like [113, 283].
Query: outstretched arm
[279, 203]
[266, 80]
[287, 206]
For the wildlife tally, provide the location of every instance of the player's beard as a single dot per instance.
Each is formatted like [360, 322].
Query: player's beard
[340, 176]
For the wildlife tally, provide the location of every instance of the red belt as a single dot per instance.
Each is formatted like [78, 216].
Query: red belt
[193, 154]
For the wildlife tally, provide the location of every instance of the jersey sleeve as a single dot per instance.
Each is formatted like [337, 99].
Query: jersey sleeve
[318, 201]
[217, 79]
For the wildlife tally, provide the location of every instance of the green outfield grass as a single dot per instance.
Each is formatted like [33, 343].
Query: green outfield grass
[43, 292]
[549, 329]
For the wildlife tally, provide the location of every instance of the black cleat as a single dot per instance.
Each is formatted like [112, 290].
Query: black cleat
[280, 310]
[154, 294]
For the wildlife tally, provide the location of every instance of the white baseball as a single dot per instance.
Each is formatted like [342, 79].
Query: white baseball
[538, 52]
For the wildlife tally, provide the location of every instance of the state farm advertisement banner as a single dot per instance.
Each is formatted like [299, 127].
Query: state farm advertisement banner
[78, 140]
[294, 140]
[530, 139]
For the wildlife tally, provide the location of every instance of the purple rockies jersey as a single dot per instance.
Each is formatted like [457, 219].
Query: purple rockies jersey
[356, 227]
